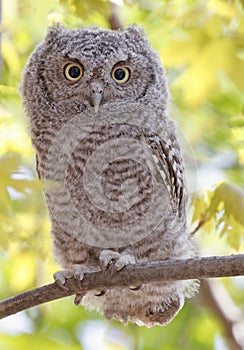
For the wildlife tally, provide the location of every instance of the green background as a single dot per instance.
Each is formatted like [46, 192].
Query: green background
[201, 44]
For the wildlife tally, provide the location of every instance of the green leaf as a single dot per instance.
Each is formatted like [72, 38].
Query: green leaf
[237, 121]
[200, 208]
[85, 9]
[222, 210]
[233, 200]
[8, 90]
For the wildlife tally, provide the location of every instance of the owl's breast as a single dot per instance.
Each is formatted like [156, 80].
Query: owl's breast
[106, 192]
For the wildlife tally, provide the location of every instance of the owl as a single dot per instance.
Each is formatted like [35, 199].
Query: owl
[112, 168]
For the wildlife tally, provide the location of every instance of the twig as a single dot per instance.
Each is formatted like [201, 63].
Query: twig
[113, 19]
[168, 270]
[220, 303]
[199, 225]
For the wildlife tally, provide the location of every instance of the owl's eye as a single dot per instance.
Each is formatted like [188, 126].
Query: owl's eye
[121, 74]
[73, 71]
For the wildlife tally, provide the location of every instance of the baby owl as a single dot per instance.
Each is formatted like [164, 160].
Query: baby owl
[111, 164]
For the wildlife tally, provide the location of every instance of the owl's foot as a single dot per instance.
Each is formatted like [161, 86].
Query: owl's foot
[60, 277]
[117, 261]
[136, 288]
[114, 259]
[100, 293]
[78, 298]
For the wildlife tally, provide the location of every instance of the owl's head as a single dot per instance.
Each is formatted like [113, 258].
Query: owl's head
[72, 70]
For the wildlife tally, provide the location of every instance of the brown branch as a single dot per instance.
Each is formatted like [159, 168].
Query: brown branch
[216, 298]
[113, 19]
[199, 225]
[168, 270]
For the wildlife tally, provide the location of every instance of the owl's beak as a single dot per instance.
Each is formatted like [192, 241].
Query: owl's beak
[96, 95]
[96, 100]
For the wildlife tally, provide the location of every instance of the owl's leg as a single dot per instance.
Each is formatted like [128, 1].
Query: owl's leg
[117, 260]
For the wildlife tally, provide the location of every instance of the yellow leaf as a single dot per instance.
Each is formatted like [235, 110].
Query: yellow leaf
[184, 49]
[10, 56]
[201, 78]
[209, 226]
[200, 208]
[233, 199]
[234, 233]
[222, 8]
[8, 90]
[237, 121]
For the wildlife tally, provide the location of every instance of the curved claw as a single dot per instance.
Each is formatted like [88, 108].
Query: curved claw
[135, 288]
[78, 298]
[60, 278]
[106, 258]
[120, 260]
[78, 274]
[101, 293]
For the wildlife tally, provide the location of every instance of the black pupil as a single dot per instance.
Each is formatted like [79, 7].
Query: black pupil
[74, 72]
[119, 74]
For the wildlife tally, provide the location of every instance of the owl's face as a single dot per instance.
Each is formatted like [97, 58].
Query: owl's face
[73, 70]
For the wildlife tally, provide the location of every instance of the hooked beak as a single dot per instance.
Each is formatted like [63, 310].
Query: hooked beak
[96, 95]
[96, 100]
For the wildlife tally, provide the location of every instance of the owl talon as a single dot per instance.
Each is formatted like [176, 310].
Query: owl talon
[135, 288]
[123, 261]
[78, 274]
[116, 260]
[60, 277]
[78, 298]
[106, 258]
[101, 293]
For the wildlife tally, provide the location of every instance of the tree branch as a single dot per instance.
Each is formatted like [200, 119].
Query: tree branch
[113, 19]
[168, 270]
[217, 299]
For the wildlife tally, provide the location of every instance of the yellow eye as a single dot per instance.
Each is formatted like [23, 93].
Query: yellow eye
[121, 74]
[73, 71]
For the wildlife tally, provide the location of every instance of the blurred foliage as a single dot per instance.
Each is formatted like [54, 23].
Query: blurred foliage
[223, 207]
[201, 44]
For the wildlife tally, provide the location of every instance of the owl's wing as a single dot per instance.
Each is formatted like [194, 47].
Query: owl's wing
[169, 162]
